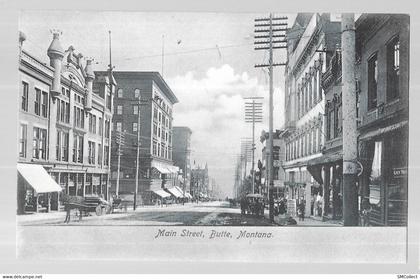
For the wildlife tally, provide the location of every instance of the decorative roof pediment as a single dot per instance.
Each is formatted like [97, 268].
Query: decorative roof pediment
[73, 67]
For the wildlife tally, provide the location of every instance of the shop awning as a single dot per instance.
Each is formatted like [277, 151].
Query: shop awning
[174, 192]
[38, 178]
[180, 190]
[188, 195]
[379, 131]
[172, 169]
[162, 193]
[161, 169]
[315, 165]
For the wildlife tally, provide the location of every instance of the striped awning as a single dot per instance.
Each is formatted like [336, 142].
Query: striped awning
[38, 178]
[162, 193]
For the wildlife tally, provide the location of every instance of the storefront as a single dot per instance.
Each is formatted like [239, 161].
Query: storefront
[328, 175]
[37, 190]
[383, 183]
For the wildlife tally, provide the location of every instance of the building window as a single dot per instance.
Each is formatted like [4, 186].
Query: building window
[65, 147]
[372, 82]
[135, 126]
[310, 142]
[106, 155]
[44, 105]
[330, 124]
[319, 138]
[25, 93]
[101, 126]
[154, 148]
[75, 148]
[80, 149]
[135, 109]
[338, 127]
[119, 127]
[393, 69]
[119, 109]
[39, 150]
[310, 101]
[107, 128]
[108, 100]
[99, 154]
[136, 93]
[154, 129]
[120, 93]
[92, 123]
[58, 147]
[37, 101]
[23, 140]
[91, 152]
[79, 117]
[155, 114]
[158, 150]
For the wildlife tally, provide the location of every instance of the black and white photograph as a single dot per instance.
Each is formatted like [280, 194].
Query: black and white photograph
[244, 137]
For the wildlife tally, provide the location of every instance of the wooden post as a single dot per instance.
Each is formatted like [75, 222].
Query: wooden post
[49, 202]
[37, 201]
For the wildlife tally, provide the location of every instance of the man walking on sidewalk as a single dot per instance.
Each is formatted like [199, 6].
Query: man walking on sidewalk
[301, 210]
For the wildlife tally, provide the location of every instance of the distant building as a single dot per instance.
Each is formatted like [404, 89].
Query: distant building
[181, 153]
[199, 186]
[156, 169]
[382, 51]
[279, 155]
[64, 128]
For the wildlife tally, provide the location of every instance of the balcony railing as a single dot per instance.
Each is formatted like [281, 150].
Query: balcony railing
[332, 74]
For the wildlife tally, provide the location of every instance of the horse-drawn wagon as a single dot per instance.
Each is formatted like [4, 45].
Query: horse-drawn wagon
[85, 205]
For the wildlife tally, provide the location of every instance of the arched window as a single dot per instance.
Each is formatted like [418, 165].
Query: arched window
[120, 93]
[136, 93]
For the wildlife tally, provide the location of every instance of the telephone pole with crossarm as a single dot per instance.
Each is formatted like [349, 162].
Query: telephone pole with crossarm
[277, 27]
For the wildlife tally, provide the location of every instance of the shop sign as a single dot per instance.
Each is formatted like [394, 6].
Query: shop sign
[277, 183]
[399, 172]
[276, 163]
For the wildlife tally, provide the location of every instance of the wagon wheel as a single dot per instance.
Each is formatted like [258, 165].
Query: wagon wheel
[98, 210]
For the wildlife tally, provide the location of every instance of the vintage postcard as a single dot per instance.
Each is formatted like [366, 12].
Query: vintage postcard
[235, 137]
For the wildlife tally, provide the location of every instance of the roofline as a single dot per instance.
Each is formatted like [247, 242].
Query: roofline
[183, 127]
[156, 76]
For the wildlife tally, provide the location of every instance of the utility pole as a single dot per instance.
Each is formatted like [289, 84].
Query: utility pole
[270, 34]
[136, 191]
[348, 35]
[111, 89]
[120, 141]
[253, 114]
[245, 152]
[163, 51]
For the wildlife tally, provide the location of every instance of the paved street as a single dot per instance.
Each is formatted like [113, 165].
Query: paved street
[190, 214]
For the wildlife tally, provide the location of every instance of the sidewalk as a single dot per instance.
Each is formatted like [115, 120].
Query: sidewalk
[308, 221]
[36, 218]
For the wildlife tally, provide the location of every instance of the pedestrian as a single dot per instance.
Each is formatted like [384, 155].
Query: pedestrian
[67, 209]
[301, 210]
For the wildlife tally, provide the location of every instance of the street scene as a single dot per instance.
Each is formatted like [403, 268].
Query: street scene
[208, 119]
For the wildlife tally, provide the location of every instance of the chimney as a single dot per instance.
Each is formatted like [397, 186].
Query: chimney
[22, 38]
[56, 53]
[90, 76]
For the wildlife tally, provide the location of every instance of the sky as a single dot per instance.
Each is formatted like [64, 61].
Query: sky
[208, 61]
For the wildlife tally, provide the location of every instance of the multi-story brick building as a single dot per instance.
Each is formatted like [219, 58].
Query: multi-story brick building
[156, 99]
[181, 154]
[382, 50]
[64, 128]
[309, 44]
